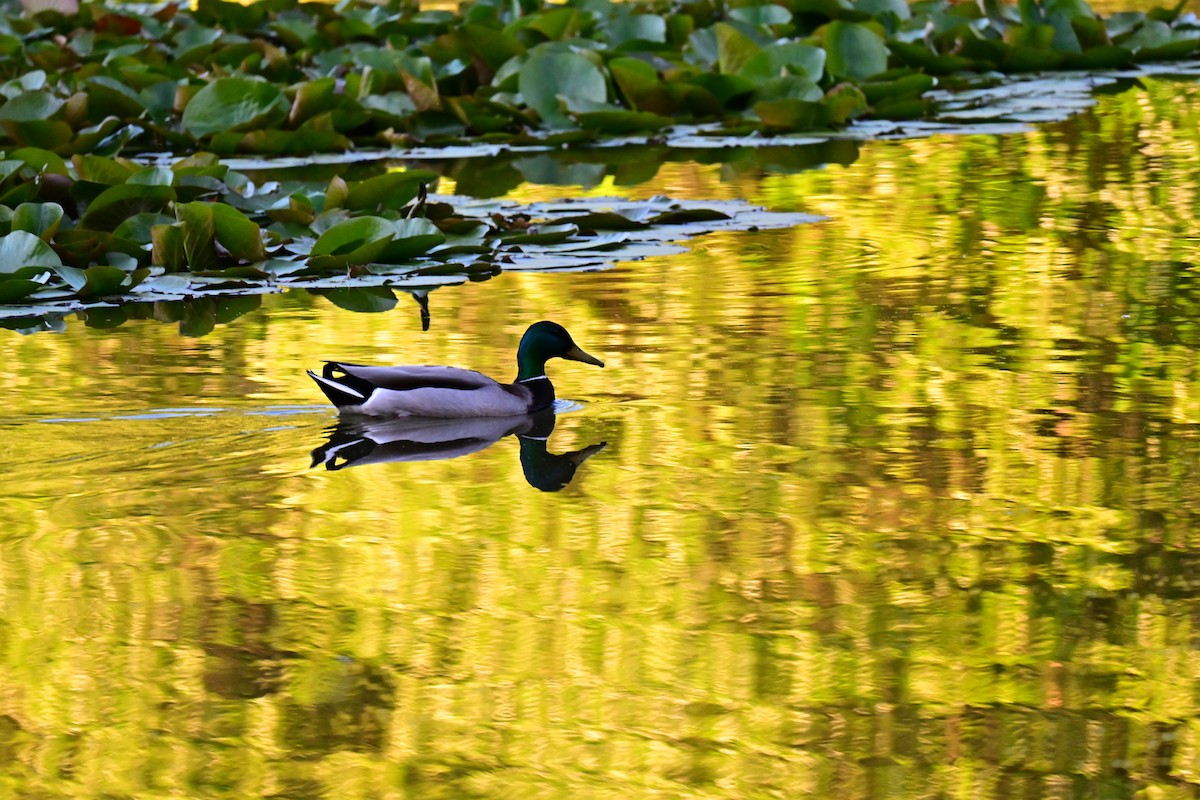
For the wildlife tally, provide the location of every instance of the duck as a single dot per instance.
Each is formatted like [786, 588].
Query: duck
[452, 392]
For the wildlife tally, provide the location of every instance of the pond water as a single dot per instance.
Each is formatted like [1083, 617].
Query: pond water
[901, 504]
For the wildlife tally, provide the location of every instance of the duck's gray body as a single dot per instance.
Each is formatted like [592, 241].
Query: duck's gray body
[450, 392]
[411, 391]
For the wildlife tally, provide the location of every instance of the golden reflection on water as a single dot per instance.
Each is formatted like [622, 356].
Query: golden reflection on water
[901, 504]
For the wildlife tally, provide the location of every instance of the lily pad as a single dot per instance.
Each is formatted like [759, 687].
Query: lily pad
[355, 241]
[233, 104]
[40, 219]
[553, 80]
[117, 203]
[854, 50]
[21, 250]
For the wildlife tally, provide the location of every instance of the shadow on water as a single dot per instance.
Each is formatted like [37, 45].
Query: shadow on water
[357, 441]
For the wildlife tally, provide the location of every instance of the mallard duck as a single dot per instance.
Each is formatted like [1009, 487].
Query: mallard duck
[450, 392]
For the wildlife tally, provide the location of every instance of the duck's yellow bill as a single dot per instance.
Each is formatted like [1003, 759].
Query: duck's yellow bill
[575, 354]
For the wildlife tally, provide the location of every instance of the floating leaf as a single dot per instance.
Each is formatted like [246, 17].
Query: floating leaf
[30, 107]
[43, 161]
[137, 228]
[117, 203]
[14, 289]
[21, 249]
[734, 48]
[550, 79]
[236, 233]
[619, 122]
[414, 237]
[153, 176]
[102, 279]
[391, 190]
[602, 220]
[233, 104]
[543, 234]
[765, 15]
[354, 241]
[629, 27]
[792, 114]
[854, 50]
[787, 58]
[683, 216]
[199, 235]
[40, 219]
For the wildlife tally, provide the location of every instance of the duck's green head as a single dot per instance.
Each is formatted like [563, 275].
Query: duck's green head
[544, 341]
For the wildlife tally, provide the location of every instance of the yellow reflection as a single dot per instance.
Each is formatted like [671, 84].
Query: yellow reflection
[897, 504]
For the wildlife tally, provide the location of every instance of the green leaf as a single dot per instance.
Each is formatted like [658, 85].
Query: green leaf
[876, 7]
[354, 241]
[637, 27]
[725, 88]
[555, 23]
[21, 249]
[233, 104]
[542, 234]
[640, 85]
[934, 63]
[236, 233]
[15, 289]
[43, 161]
[549, 79]
[907, 86]
[602, 221]
[137, 228]
[790, 87]
[153, 176]
[490, 47]
[791, 114]
[199, 235]
[1073, 8]
[766, 15]
[102, 279]
[854, 50]
[414, 237]
[118, 203]
[391, 190]
[843, 103]
[30, 107]
[619, 122]
[779, 59]
[40, 219]
[734, 48]
[107, 96]
[100, 169]
[168, 249]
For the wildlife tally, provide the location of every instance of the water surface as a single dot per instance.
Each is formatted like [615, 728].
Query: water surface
[902, 504]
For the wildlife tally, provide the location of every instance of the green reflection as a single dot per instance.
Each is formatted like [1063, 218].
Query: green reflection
[898, 505]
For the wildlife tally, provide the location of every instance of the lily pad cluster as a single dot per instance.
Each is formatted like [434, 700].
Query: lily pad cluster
[95, 233]
[285, 77]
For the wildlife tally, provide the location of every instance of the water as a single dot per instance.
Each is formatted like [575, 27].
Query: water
[898, 505]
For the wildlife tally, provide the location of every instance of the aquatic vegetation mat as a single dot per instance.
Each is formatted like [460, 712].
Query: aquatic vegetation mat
[283, 77]
[203, 242]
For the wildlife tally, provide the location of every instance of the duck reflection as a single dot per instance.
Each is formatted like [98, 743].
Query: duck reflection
[355, 441]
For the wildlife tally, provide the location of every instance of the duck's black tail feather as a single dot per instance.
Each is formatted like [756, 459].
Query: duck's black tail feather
[342, 388]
